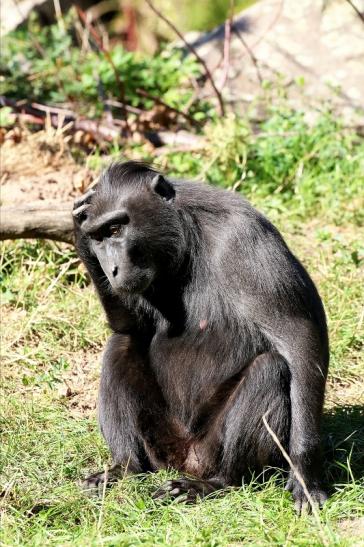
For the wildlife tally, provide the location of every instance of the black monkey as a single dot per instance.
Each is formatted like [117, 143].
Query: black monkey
[215, 324]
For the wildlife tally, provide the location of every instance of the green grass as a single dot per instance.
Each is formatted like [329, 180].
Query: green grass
[310, 182]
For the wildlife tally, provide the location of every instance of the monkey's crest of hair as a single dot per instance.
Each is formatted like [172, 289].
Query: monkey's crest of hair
[134, 172]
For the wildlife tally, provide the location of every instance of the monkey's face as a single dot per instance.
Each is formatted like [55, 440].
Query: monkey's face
[121, 256]
[135, 235]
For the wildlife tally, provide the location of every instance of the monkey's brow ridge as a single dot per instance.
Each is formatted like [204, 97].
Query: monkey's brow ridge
[91, 225]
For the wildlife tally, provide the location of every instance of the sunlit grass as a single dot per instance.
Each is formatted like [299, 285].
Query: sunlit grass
[53, 331]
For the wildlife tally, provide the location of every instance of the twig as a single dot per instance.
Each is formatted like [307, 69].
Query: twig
[357, 11]
[250, 53]
[159, 101]
[193, 51]
[227, 44]
[100, 45]
[35, 109]
[118, 104]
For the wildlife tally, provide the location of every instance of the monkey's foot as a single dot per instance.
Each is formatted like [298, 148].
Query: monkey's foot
[95, 484]
[186, 490]
[302, 503]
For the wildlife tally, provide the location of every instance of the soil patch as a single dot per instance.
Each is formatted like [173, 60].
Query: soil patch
[38, 167]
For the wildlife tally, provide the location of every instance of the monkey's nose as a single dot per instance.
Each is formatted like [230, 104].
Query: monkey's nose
[115, 271]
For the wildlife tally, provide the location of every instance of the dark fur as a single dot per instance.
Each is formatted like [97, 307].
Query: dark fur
[215, 324]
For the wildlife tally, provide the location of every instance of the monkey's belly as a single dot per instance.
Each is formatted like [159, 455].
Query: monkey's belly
[189, 368]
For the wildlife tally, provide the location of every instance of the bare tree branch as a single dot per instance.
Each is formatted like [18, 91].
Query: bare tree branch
[357, 11]
[250, 53]
[194, 52]
[159, 101]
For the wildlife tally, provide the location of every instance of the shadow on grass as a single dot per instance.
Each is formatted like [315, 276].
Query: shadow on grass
[343, 443]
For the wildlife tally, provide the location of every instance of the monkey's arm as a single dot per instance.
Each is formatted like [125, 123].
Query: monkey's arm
[120, 318]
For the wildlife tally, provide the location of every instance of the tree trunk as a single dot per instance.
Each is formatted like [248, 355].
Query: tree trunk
[38, 222]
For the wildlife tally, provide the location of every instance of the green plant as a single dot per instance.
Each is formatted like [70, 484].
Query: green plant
[283, 163]
[55, 69]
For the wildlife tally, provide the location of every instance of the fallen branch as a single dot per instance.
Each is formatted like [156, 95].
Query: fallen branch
[193, 51]
[37, 222]
[100, 130]
[38, 114]
[159, 101]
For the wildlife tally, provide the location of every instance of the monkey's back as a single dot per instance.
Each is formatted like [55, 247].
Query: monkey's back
[243, 273]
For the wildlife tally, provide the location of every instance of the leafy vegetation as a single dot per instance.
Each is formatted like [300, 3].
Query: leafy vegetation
[49, 65]
[287, 161]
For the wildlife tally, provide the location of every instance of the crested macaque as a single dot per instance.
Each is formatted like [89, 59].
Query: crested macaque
[215, 324]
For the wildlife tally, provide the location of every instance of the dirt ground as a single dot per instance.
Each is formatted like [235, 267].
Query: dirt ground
[38, 167]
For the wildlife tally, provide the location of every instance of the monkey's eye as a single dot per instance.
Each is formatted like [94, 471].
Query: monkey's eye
[114, 229]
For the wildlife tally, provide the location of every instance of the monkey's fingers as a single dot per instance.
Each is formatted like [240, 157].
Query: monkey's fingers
[94, 485]
[85, 198]
[183, 490]
[301, 503]
[164, 490]
[80, 213]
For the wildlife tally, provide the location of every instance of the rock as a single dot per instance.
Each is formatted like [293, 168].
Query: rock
[14, 13]
[315, 41]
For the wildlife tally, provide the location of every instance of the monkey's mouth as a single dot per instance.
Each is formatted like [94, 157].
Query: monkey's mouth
[133, 286]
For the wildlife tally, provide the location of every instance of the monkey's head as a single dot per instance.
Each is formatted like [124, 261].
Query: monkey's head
[133, 227]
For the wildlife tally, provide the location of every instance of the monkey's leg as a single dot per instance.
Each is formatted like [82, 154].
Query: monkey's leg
[133, 414]
[307, 357]
[264, 389]
[231, 437]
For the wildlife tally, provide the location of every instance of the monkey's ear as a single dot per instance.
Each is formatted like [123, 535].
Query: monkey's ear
[163, 187]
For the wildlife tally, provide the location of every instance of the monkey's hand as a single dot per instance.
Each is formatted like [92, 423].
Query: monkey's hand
[81, 205]
[317, 496]
[95, 484]
[185, 489]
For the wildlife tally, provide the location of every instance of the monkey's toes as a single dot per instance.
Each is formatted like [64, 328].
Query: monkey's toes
[184, 490]
[302, 503]
[95, 484]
